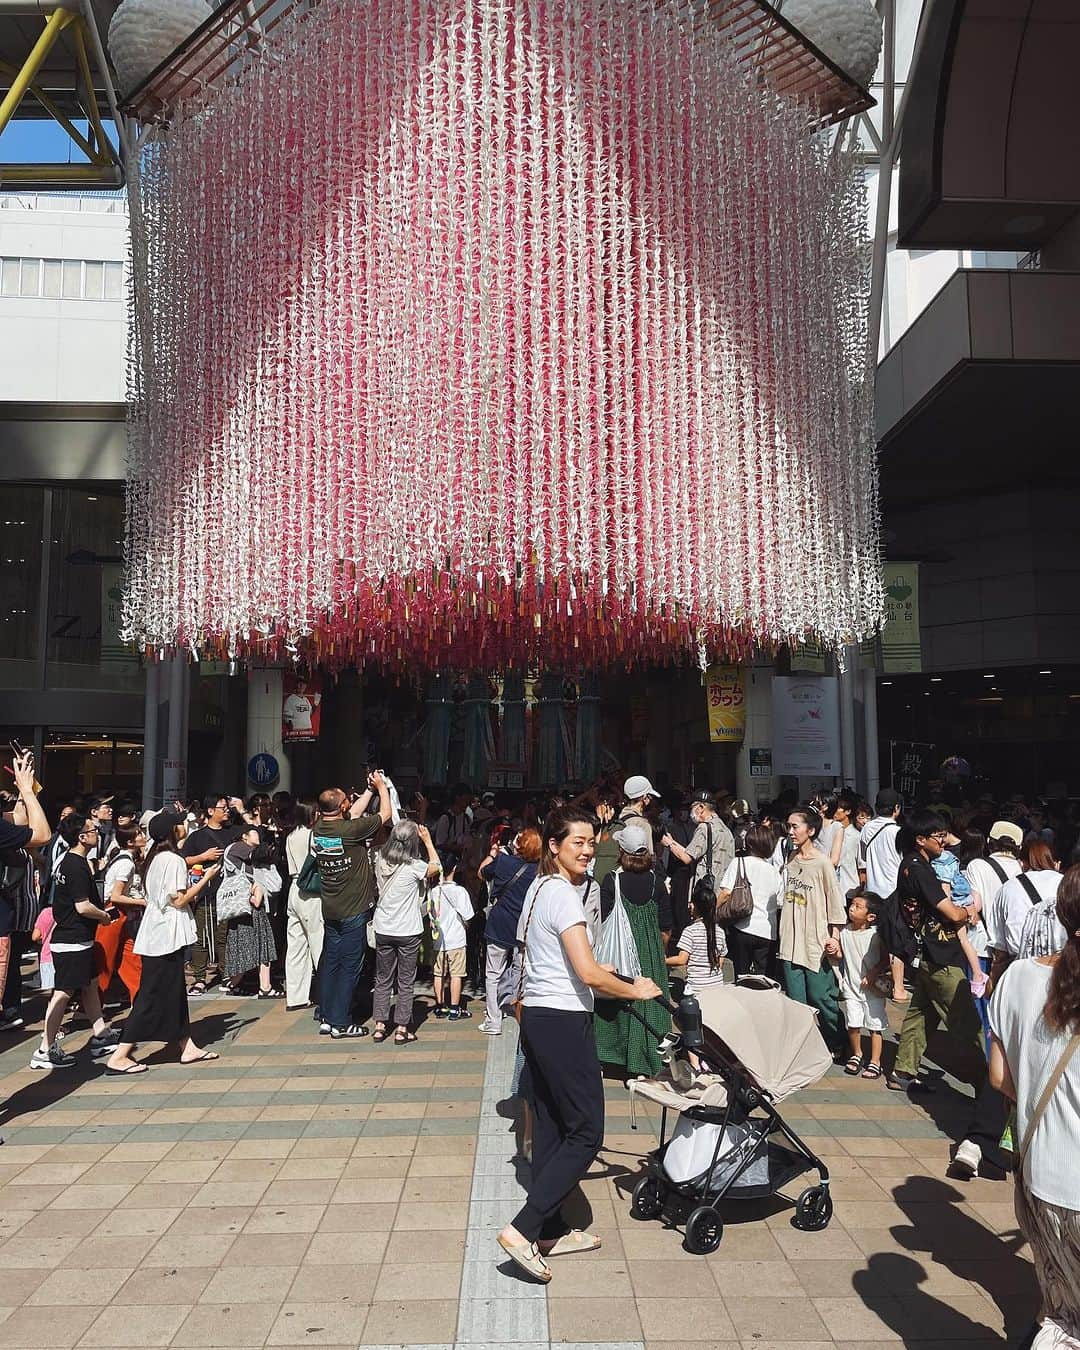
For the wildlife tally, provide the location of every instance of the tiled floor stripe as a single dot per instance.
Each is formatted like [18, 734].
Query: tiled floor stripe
[496, 1307]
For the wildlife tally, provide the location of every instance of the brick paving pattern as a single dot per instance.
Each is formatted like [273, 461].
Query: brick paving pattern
[301, 1192]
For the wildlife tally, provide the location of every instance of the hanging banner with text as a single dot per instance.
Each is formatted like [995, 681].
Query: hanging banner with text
[901, 650]
[725, 697]
[806, 725]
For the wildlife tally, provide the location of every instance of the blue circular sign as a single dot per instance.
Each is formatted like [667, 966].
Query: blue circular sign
[263, 770]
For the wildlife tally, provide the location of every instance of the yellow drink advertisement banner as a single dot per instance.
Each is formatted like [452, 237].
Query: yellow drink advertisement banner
[725, 696]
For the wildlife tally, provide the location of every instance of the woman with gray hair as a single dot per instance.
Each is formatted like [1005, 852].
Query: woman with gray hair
[402, 877]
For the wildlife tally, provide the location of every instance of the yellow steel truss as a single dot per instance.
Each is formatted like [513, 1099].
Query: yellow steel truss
[95, 145]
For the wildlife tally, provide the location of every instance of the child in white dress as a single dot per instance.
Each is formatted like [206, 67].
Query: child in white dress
[864, 961]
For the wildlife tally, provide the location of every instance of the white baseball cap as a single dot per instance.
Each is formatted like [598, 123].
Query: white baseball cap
[638, 786]
[633, 839]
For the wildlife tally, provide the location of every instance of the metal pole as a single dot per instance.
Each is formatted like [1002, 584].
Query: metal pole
[884, 184]
[151, 698]
[57, 21]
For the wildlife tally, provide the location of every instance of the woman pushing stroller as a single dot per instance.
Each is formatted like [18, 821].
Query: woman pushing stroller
[559, 979]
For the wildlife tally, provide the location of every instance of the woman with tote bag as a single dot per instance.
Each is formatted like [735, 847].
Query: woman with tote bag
[1034, 1060]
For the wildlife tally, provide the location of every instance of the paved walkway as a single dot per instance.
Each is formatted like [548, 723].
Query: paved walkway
[303, 1192]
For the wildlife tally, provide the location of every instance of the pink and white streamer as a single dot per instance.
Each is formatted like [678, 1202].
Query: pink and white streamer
[472, 332]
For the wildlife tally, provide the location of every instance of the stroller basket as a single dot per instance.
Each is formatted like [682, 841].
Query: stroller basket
[752, 1160]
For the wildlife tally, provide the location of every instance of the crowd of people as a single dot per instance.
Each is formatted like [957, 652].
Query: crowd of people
[968, 919]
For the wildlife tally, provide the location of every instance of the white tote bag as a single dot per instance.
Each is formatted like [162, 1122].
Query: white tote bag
[615, 945]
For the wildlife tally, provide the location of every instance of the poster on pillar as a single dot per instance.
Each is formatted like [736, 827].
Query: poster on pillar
[901, 649]
[806, 725]
[725, 697]
[301, 707]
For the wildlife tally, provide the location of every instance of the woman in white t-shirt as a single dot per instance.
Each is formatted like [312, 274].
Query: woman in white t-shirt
[167, 927]
[1035, 1020]
[565, 1086]
[752, 941]
[303, 909]
[401, 876]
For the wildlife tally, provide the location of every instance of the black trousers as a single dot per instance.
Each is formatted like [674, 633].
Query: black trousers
[751, 954]
[988, 1123]
[567, 1099]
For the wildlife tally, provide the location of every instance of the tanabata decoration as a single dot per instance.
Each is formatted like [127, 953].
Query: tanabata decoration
[473, 333]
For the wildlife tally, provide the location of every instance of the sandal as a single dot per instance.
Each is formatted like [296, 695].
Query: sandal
[403, 1036]
[379, 1035]
[271, 993]
[527, 1256]
[204, 1058]
[571, 1243]
[872, 1071]
[853, 1065]
[197, 989]
[125, 1073]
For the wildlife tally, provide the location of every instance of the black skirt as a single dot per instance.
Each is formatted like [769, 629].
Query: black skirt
[160, 1012]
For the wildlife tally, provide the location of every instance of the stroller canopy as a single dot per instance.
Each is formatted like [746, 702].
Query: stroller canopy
[775, 1039]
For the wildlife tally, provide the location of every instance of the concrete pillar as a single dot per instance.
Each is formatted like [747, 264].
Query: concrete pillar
[150, 736]
[872, 782]
[758, 684]
[264, 723]
[848, 678]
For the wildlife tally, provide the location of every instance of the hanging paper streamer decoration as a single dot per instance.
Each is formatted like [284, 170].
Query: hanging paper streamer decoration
[470, 333]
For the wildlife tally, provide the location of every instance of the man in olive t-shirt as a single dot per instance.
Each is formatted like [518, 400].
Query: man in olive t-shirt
[339, 842]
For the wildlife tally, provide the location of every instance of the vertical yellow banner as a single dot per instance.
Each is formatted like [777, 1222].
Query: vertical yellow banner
[725, 697]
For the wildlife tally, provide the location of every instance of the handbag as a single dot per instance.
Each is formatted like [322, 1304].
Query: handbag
[234, 896]
[615, 945]
[309, 879]
[740, 902]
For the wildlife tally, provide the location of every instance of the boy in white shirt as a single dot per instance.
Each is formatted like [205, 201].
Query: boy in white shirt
[450, 909]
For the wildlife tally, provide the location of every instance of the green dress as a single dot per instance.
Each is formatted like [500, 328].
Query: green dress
[620, 1038]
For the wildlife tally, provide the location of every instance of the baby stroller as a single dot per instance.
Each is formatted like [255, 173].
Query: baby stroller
[755, 1048]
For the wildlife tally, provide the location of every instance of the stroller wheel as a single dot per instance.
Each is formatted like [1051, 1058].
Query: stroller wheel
[647, 1200]
[704, 1229]
[813, 1209]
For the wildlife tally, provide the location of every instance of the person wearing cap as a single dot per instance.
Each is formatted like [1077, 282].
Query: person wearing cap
[711, 848]
[77, 913]
[160, 1011]
[640, 795]
[638, 885]
[1004, 913]
[942, 993]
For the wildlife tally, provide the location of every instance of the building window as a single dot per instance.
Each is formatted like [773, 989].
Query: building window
[55, 278]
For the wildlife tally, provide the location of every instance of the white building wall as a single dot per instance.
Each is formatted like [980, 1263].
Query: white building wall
[62, 350]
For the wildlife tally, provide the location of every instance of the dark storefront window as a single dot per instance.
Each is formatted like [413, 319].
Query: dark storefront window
[21, 520]
[85, 575]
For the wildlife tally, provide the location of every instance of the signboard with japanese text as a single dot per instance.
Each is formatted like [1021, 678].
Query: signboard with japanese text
[901, 650]
[806, 725]
[725, 698]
